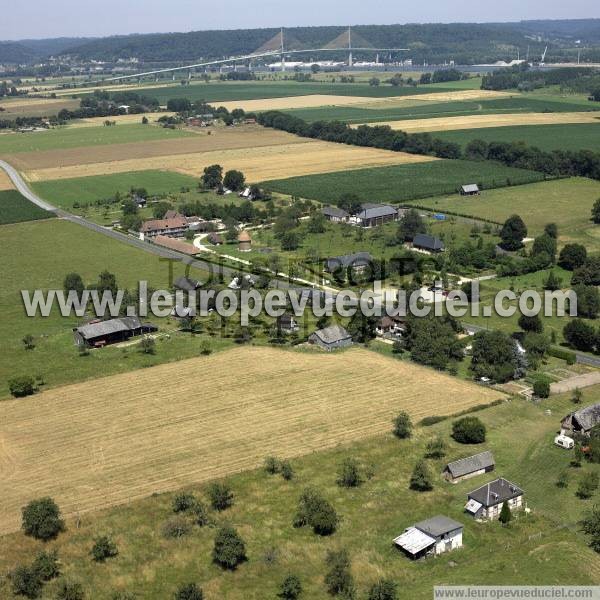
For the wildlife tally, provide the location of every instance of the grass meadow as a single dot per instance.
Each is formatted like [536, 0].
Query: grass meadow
[542, 548]
[76, 137]
[402, 182]
[567, 202]
[42, 253]
[574, 136]
[15, 208]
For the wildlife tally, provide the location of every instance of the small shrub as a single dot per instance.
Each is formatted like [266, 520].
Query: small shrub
[176, 527]
[287, 472]
[205, 348]
[349, 474]
[541, 388]
[316, 512]
[41, 519]
[21, 386]
[587, 486]
[428, 421]
[70, 591]
[468, 430]
[221, 496]
[229, 549]
[272, 465]
[29, 342]
[188, 591]
[420, 480]
[402, 426]
[200, 514]
[46, 565]
[183, 502]
[384, 589]
[104, 548]
[291, 588]
[563, 480]
[271, 556]
[339, 580]
[147, 345]
[26, 581]
[436, 448]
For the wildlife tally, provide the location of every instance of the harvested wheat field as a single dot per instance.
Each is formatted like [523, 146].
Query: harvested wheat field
[437, 97]
[309, 101]
[5, 182]
[111, 440]
[303, 157]
[119, 119]
[483, 121]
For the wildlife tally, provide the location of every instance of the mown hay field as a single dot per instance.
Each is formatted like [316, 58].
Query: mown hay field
[258, 163]
[398, 183]
[491, 120]
[127, 436]
[35, 107]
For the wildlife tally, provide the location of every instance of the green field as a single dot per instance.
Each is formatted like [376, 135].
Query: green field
[41, 254]
[15, 208]
[574, 136]
[542, 548]
[402, 182]
[226, 92]
[428, 109]
[66, 192]
[77, 137]
[567, 202]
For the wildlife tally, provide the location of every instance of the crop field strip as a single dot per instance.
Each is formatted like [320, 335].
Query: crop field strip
[5, 182]
[258, 163]
[398, 183]
[15, 208]
[108, 441]
[491, 120]
[570, 136]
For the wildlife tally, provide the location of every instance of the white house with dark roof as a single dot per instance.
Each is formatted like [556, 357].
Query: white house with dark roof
[433, 536]
[471, 466]
[331, 338]
[486, 502]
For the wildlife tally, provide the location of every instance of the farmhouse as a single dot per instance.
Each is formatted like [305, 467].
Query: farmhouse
[583, 420]
[331, 338]
[469, 467]
[372, 215]
[244, 242]
[472, 189]
[428, 242]
[432, 536]
[101, 333]
[173, 225]
[486, 502]
[334, 214]
[391, 324]
[359, 262]
[186, 284]
[174, 244]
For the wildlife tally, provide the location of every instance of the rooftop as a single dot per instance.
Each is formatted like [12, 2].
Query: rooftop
[428, 242]
[495, 492]
[464, 466]
[438, 525]
[587, 417]
[359, 259]
[332, 334]
[413, 540]
[372, 211]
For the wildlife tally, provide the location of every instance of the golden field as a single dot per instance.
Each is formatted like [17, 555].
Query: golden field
[482, 121]
[5, 182]
[111, 440]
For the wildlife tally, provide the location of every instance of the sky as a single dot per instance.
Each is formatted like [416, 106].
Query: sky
[90, 18]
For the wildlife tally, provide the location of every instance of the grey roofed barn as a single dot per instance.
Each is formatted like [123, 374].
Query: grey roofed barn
[372, 211]
[583, 419]
[357, 260]
[438, 526]
[101, 328]
[332, 334]
[428, 242]
[471, 188]
[333, 212]
[471, 464]
[495, 492]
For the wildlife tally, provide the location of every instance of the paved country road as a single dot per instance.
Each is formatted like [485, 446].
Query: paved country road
[26, 191]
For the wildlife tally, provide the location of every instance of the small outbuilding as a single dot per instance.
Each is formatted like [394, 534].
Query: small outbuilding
[244, 241]
[433, 536]
[331, 338]
[335, 214]
[464, 468]
[582, 420]
[471, 189]
[423, 241]
[287, 324]
[214, 238]
[486, 502]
